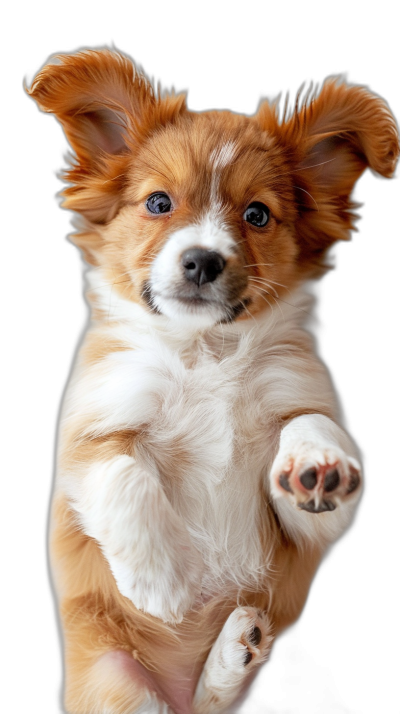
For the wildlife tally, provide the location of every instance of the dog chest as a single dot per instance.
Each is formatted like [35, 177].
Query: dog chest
[200, 425]
[212, 450]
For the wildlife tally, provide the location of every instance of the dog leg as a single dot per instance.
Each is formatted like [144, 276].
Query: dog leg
[148, 547]
[113, 683]
[243, 643]
[315, 479]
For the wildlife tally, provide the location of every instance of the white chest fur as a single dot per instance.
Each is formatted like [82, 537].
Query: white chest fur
[212, 449]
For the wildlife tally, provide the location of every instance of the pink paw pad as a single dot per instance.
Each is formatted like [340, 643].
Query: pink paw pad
[321, 487]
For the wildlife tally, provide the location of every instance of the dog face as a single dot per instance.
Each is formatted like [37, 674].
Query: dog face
[210, 217]
[207, 224]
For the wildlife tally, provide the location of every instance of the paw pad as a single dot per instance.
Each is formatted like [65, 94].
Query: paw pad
[331, 480]
[312, 507]
[314, 471]
[320, 488]
[256, 638]
[284, 482]
[247, 658]
[309, 479]
[354, 482]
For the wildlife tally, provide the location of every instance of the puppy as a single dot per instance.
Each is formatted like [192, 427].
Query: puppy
[202, 467]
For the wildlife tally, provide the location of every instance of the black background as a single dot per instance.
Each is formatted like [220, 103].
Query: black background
[337, 659]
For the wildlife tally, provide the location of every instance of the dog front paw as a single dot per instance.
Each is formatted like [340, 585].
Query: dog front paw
[166, 586]
[315, 472]
[170, 594]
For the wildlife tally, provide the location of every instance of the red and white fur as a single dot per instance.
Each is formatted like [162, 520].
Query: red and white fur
[202, 466]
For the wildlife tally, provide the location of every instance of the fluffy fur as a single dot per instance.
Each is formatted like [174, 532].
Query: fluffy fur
[202, 467]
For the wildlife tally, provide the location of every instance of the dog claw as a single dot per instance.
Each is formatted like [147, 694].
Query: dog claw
[312, 508]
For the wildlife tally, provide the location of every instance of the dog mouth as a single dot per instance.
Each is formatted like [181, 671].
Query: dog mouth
[195, 304]
[195, 300]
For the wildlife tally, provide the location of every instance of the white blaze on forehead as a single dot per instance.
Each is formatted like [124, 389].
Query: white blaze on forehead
[219, 159]
[224, 155]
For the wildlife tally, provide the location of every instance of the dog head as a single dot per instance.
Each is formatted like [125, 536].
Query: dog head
[209, 217]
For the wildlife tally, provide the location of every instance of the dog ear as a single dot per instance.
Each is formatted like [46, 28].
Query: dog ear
[329, 140]
[106, 108]
[96, 96]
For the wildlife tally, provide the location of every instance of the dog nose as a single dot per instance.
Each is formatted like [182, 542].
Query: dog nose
[202, 266]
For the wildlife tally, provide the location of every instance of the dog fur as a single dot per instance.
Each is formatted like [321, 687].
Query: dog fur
[202, 467]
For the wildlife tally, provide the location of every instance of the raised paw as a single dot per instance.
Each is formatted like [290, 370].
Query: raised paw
[246, 637]
[243, 643]
[312, 471]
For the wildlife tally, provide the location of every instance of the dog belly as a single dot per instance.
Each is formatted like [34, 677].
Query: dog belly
[175, 689]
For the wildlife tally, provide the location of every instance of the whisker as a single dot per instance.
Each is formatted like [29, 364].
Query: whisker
[269, 283]
[308, 194]
[313, 166]
[276, 300]
[255, 265]
[261, 290]
[274, 282]
[258, 288]
[295, 306]
[263, 282]
[305, 168]
[248, 311]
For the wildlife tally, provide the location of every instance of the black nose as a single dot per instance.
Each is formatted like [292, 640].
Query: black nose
[202, 266]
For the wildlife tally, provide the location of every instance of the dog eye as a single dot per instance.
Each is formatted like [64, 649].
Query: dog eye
[159, 203]
[257, 214]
